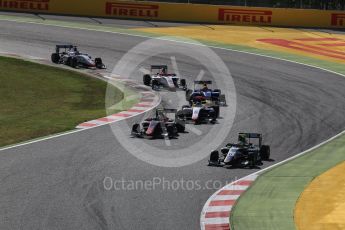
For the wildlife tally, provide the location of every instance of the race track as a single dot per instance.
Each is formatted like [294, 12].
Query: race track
[58, 183]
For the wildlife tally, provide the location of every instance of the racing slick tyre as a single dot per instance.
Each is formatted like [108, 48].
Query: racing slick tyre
[185, 106]
[170, 131]
[188, 94]
[179, 115]
[183, 83]
[214, 158]
[216, 110]
[265, 152]
[99, 63]
[180, 127]
[147, 79]
[55, 57]
[135, 130]
[74, 62]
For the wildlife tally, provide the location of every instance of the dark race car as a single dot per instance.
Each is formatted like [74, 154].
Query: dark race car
[160, 78]
[202, 90]
[69, 55]
[243, 154]
[159, 126]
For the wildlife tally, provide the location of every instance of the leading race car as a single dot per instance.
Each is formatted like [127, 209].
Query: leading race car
[242, 154]
[159, 126]
[202, 90]
[72, 57]
[159, 77]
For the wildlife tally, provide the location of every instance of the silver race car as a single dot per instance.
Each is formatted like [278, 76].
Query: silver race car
[70, 55]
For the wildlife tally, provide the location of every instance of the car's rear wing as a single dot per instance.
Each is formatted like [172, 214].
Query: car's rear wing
[159, 67]
[250, 135]
[161, 111]
[64, 46]
[168, 110]
[242, 136]
[202, 82]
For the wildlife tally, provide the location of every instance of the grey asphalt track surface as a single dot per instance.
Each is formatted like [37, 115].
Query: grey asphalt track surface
[58, 183]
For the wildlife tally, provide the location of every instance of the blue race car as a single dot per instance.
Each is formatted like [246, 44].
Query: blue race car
[202, 92]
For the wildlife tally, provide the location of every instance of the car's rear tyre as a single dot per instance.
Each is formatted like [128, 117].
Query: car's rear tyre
[188, 94]
[180, 127]
[55, 57]
[265, 152]
[147, 79]
[135, 129]
[179, 115]
[170, 131]
[216, 110]
[183, 82]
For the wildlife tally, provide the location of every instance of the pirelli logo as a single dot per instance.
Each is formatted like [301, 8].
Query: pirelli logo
[42, 5]
[338, 20]
[245, 16]
[132, 10]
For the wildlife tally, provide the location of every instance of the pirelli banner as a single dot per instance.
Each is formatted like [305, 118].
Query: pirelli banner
[180, 12]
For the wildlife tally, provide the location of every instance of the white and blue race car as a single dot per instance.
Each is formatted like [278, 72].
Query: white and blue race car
[202, 91]
[199, 113]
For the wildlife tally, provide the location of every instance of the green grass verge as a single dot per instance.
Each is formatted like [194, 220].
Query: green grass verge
[38, 100]
[269, 204]
[336, 67]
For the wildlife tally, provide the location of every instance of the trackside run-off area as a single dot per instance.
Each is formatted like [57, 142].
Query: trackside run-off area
[38, 100]
[329, 190]
[270, 202]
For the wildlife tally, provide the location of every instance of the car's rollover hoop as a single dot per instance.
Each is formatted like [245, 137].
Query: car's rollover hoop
[175, 155]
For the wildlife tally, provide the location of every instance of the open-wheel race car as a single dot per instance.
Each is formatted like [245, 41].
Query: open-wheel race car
[159, 126]
[199, 113]
[160, 78]
[69, 55]
[243, 154]
[202, 91]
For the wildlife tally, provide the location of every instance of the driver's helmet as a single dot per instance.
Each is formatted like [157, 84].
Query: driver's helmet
[198, 103]
[162, 71]
[242, 139]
